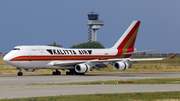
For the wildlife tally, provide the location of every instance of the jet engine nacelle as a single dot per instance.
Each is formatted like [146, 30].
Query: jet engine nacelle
[29, 70]
[82, 68]
[121, 65]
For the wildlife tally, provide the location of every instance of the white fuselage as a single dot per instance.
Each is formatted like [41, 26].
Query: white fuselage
[40, 57]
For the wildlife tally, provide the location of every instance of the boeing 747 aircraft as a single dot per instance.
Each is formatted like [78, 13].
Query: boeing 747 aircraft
[77, 61]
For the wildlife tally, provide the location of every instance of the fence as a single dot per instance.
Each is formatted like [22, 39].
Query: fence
[2, 55]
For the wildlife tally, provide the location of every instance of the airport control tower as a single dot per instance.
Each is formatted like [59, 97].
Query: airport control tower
[94, 25]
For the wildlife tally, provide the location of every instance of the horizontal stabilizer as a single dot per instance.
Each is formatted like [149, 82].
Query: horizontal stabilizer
[140, 52]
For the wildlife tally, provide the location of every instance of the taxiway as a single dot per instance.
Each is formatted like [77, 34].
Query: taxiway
[15, 86]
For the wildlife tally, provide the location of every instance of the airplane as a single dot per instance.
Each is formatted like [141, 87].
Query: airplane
[78, 61]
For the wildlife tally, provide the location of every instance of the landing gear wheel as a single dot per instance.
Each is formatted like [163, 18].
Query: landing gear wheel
[56, 72]
[73, 72]
[20, 74]
[53, 73]
[67, 73]
[79, 73]
[70, 73]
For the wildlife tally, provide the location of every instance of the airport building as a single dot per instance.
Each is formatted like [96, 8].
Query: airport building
[94, 24]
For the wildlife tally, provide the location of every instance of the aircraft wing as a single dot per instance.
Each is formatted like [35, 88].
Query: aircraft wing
[131, 61]
[103, 63]
[151, 59]
[135, 60]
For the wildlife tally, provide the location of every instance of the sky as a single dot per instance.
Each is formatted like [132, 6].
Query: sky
[42, 22]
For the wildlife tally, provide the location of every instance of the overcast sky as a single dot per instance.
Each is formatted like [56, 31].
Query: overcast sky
[42, 22]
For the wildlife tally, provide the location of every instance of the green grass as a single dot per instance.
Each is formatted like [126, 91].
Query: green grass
[135, 81]
[148, 96]
[171, 65]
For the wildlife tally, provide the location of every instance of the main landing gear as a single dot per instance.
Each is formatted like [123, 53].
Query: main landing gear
[73, 72]
[56, 72]
[20, 73]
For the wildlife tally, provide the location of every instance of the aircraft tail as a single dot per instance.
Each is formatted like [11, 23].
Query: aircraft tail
[127, 40]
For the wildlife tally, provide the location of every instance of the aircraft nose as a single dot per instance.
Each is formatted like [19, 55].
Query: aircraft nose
[6, 58]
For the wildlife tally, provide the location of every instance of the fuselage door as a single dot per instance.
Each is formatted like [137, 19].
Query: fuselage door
[30, 58]
[40, 49]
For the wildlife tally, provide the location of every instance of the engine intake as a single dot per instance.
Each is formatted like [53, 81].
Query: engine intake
[82, 68]
[29, 70]
[121, 65]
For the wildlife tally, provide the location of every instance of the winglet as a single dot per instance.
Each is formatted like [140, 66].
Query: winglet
[171, 57]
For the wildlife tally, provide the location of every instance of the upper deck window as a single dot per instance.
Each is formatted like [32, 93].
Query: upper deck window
[16, 49]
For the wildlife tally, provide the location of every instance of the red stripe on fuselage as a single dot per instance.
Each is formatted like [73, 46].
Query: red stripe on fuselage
[128, 51]
[62, 57]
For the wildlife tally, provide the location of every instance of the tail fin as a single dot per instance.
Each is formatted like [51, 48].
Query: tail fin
[127, 40]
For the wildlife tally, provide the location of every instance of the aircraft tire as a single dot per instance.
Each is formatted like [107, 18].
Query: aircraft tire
[53, 73]
[69, 73]
[20, 74]
[79, 73]
[58, 73]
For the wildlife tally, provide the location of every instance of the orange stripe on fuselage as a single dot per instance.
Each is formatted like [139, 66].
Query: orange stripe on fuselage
[63, 57]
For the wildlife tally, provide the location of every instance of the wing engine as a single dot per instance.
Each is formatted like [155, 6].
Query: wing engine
[82, 68]
[122, 65]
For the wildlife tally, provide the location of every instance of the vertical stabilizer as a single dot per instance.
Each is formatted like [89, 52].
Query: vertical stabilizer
[127, 40]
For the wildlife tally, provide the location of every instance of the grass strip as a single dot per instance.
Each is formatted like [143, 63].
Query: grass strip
[147, 96]
[134, 81]
[168, 65]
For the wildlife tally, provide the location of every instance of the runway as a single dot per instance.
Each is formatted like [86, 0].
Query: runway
[15, 87]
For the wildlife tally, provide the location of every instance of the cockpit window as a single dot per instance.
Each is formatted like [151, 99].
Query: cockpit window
[16, 49]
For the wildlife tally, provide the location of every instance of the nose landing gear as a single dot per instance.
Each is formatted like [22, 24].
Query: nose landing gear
[20, 73]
